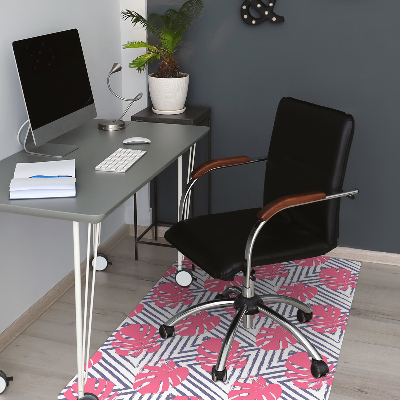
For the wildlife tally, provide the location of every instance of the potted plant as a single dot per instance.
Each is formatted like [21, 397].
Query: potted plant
[168, 86]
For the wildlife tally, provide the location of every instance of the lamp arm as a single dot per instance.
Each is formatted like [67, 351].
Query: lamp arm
[138, 97]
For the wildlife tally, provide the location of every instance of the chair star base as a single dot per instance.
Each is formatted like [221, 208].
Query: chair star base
[247, 307]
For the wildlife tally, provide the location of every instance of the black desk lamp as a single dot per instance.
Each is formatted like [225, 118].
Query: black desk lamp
[117, 124]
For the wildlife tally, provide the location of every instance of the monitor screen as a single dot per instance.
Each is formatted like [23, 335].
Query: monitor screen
[55, 83]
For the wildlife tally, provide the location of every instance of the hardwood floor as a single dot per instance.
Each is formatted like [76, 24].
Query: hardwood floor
[43, 358]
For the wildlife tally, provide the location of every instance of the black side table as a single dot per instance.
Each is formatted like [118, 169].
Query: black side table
[192, 116]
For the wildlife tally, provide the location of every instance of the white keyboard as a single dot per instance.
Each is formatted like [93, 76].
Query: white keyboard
[121, 160]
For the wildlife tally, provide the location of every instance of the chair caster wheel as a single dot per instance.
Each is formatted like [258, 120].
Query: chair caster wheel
[184, 277]
[218, 375]
[4, 381]
[101, 262]
[220, 296]
[303, 316]
[166, 331]
[319, 368]
[89, 396]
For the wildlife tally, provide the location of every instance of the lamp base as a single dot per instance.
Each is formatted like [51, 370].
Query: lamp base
[110, 125]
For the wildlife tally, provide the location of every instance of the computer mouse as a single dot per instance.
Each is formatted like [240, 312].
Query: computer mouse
[136, 140]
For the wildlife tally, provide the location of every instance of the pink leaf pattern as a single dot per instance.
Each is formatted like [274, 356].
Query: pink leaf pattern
[171, 295]
[270, 272]
[197, 324]
[327, 319]
[137, 310]
[274, 367]
[312, 262]
[257, 389]
[99, 387]
[170, 272]
[209, 351]
[337, 279]
[298, 291]
[95, 359]
[298, 366]
[218, 286]
[134, 339]
[274, 338]
[160, 379]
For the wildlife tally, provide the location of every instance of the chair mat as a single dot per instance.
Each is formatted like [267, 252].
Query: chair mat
[265, 362]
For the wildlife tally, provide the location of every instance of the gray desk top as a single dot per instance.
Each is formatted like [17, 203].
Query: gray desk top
[100, 193]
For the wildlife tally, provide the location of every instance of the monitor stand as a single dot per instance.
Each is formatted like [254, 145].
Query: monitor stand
[48, 149]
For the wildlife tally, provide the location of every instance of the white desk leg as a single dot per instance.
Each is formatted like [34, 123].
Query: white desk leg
[78, 308]
[180, 255]
[83, 328]
[192, 153]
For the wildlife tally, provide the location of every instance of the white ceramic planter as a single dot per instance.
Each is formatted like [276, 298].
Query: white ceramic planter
[168, 95]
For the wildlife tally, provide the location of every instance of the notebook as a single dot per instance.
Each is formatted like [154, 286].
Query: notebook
[43, 180]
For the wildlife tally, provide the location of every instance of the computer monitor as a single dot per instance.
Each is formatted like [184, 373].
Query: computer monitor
[56, 88]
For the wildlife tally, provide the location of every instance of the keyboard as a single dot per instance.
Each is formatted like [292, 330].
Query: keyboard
[121, 160]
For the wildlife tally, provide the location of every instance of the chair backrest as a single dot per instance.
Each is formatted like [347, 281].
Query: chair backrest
[309, 148]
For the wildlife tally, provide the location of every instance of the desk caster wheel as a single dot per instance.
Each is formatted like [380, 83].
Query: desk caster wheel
[166, 331]
[304, 317]
[102, 262]
[89, 396]
[319, 368]
[184, 277]
[218, 375]
[4, 381]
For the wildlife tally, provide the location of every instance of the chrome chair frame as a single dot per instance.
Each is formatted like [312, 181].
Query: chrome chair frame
[247, 293]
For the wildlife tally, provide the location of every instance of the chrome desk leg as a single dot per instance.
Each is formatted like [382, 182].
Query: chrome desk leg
[83, 327]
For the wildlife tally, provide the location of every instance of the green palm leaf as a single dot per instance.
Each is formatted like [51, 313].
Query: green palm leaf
[136, 18]
[187, 13]
[139, 44]
[169, 28]
[140, 63]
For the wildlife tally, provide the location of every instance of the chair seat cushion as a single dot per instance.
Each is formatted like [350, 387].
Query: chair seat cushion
[217, 242]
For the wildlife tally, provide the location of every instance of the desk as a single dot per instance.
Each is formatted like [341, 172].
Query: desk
[98, 194]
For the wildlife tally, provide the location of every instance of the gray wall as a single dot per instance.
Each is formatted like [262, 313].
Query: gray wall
[337, 53]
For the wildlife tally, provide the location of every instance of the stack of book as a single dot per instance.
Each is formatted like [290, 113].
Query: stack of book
[43, 180]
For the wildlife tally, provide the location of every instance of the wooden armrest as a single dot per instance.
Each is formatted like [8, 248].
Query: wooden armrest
[288, 201]
[218, 162]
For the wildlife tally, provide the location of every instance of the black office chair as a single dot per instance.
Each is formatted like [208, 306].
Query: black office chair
[306, 164]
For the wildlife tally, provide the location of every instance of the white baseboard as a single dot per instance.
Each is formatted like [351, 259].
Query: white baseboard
[377, 257]
[34, 312]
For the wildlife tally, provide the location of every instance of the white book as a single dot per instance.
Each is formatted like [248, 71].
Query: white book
[41, 194]
[42, 183]
[43, 180]
[47, 168]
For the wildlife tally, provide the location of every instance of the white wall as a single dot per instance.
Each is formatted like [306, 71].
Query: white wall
[36, 253]
[133, 83]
